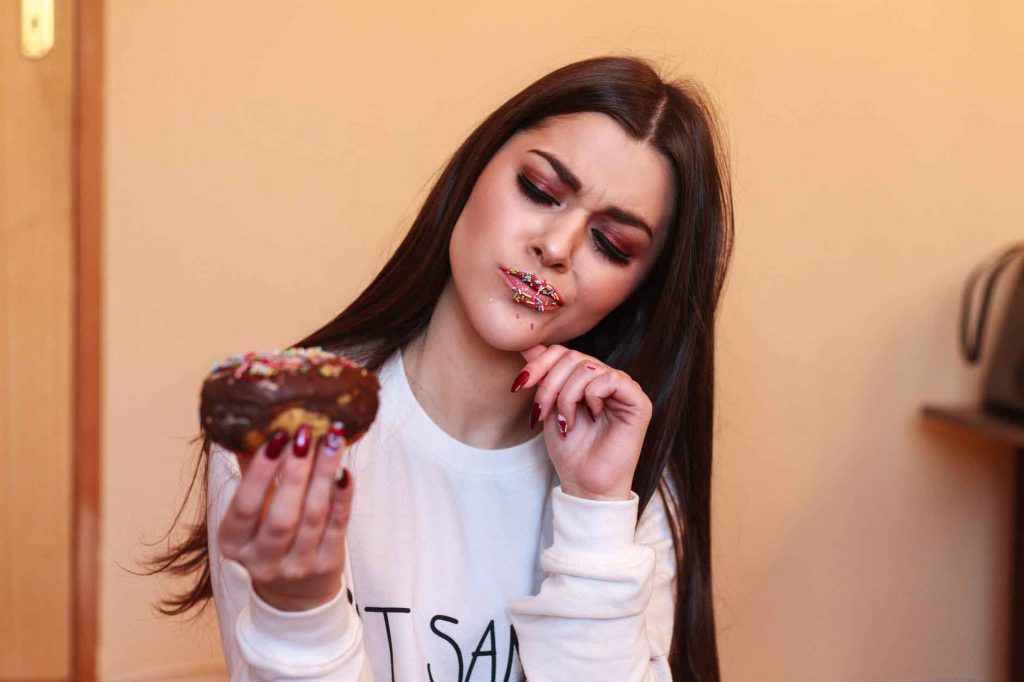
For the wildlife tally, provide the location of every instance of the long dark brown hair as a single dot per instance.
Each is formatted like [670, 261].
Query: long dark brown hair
[662, 335]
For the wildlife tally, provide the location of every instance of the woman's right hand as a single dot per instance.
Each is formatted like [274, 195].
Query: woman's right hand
[291, 537]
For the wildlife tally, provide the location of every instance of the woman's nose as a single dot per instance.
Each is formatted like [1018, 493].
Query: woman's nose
[555, 244]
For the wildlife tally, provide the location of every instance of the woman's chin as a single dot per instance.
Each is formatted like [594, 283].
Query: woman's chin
[505, 328]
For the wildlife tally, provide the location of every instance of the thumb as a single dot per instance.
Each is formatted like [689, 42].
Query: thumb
[533, 351]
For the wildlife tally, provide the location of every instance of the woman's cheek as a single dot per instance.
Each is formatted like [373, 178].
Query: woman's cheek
[601, 296]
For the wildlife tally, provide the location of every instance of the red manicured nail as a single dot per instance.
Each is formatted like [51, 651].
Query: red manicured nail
[342, 482]
[534, 416]
[561, 426]
[333, 439]
[520, 381]
[301, 445]
[276, 444]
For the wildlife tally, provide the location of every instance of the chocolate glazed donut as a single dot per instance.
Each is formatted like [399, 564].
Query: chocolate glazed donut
[246, 398]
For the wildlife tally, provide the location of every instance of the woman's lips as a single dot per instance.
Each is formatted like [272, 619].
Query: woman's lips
[532, 290]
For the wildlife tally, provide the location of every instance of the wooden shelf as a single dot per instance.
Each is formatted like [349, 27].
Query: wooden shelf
[1011, 432]
[974, 419]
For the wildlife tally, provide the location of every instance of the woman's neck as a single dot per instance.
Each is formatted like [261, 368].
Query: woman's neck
[464, 384]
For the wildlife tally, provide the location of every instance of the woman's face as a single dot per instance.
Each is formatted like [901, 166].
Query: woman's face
[575, 253]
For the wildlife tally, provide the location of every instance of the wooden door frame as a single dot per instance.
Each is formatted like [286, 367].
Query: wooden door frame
[87, 226]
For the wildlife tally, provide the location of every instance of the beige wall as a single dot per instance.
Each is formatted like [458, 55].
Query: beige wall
[263, 158]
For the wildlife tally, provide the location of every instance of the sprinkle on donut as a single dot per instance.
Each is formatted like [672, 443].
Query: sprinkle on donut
[262, 364]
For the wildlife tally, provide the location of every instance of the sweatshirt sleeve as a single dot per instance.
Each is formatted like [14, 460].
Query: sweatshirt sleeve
[605, 611]
[262, 643]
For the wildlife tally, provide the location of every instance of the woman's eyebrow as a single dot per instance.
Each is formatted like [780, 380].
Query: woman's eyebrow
[617, 214]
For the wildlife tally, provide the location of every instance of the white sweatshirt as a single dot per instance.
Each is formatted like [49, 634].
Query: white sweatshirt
[463, 565]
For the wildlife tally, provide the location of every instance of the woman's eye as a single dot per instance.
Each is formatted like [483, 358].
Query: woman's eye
[531, 192]
[607, 249]
[604, 247]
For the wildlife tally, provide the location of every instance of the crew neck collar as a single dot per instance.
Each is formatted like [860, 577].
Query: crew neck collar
[430, 439]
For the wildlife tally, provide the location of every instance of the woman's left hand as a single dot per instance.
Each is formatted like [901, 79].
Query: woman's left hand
[595, 458]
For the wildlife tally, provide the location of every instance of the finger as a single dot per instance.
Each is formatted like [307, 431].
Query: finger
[243, 515]
[303, 549]
[332, 543]
[541, 364]
[554, 379]
[277, 530]
[532, 352]
[572, 392]
[606, 389]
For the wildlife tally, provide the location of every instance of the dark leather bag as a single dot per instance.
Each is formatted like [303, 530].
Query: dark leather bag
[1003, 393]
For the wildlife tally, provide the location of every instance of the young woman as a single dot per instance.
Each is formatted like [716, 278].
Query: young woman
[563, 274]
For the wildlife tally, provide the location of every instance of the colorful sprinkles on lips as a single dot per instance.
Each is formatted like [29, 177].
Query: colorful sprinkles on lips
[261, 364]
[537, 284]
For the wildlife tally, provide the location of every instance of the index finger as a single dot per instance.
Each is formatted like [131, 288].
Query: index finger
[540, 363]
[533, 351]
[244, 512]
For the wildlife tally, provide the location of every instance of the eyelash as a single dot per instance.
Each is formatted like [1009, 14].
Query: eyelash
[603, 246]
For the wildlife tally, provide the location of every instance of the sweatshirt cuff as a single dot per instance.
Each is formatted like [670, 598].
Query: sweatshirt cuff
[593, 526]
[299, 638]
